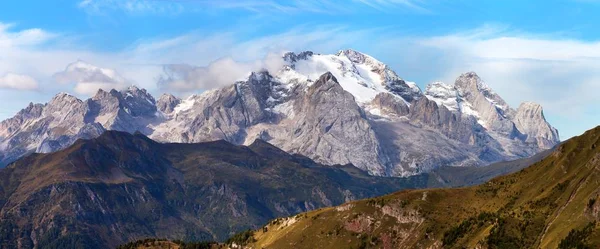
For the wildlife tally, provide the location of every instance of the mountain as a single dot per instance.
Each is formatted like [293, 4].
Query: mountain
[120, 187]
[553, 203]
[343, 108]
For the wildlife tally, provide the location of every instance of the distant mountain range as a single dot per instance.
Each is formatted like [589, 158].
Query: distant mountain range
[551, 204]
[344, 108]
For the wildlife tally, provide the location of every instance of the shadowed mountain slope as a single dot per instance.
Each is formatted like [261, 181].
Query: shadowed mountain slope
[121, 187]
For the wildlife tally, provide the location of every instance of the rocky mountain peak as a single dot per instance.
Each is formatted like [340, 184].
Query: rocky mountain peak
[292, 57]
[31, 110]
[329, 117]
[260, 76]
[472, 97]
[134, 91]
[167, 103]
[529, 119]
[360, 74]
[63, 98]
[62, 95]
[439, 88]
[469, 83]
[326, 77]
[528, 105]
[354, 56]
[326, 83]
[137, 102]
[65, 107]
[102, 94]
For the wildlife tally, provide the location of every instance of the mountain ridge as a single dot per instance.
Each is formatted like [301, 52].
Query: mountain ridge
[119, 187]
[391, 121]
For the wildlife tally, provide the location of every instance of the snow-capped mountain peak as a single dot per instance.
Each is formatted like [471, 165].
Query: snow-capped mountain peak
[450, 97]
[358, 73]
[443, 94]
[470, 85]
[470, 96]
[360, 58]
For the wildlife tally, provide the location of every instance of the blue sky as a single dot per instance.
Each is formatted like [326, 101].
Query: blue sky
[542, 51]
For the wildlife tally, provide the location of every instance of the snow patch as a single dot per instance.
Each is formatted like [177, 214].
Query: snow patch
[185, 105]
[363, 86]
[286, 109]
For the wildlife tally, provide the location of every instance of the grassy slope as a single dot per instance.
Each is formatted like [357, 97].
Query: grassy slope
[535, 207]
[469, 176]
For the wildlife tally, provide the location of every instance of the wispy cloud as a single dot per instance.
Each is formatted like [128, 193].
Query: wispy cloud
[387, 5]
[331, 7]
[185, 78]
[22, 38]
[132, 6]
[18, 82]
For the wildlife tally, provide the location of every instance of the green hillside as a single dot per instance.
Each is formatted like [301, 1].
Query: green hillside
[550, 204]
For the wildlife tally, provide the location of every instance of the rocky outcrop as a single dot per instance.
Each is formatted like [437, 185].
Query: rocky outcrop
[167, 103]
[389, 104]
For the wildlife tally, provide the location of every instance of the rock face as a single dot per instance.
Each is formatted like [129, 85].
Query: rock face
[53, 126]
[492, 110]
[529, 119]
[390, 105]
[336, 109]
[519, 132]
[167, 103]
[330, 126]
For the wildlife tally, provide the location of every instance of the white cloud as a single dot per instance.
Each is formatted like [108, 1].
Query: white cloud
[225, 71]
[88, 78]
[18, 82]
[199, 48]
[24, 38]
